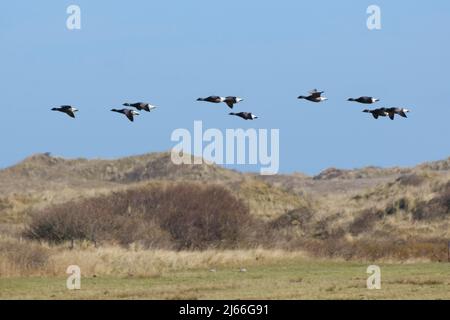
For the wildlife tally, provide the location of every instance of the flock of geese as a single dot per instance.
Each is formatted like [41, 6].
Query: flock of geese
[314, 96]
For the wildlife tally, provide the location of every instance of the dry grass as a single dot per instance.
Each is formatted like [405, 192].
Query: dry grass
[24, 258]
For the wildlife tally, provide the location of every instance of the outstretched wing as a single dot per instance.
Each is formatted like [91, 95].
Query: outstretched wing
[315, 93]
[70, 113]
[129, 116]
[230, 104]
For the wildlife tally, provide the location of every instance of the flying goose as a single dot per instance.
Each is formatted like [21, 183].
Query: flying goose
[244, 115]
[128, 112]
[213, 99]
[380, 112]
[231, 101]
[400, 111]
[365, 100]
[69, 110]
[315, 96]
[140, 106]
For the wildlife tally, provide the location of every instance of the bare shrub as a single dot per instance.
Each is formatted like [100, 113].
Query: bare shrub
[376, 249]
[23, 256]
[412, 179]
[202, 216]
[297, 217]
[365, 221]
[400, 204]
[436, 208]
[184, 216]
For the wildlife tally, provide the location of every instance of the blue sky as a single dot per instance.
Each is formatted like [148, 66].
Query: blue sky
[268, 52]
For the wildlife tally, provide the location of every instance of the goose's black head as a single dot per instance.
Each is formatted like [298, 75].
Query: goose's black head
[350, 99]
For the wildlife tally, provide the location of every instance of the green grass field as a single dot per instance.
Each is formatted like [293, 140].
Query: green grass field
[290, 279]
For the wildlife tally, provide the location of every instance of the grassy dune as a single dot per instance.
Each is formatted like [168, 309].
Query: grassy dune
[142, 229]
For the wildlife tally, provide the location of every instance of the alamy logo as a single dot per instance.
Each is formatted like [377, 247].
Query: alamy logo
[74, 280]
[236, 146]
[374, 280]
[73, 22]
[374, 20]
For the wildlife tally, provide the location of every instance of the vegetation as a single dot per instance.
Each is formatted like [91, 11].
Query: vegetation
[272, 277]
[145, 217]
[188, 216]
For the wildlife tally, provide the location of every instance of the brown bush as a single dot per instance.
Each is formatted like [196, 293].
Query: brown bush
[365, 221]
[411, 180]
[436, 208]
[24, 256]
[297, 217]
[201, 217]
[184, 216]
[376, 249]
[400, 204]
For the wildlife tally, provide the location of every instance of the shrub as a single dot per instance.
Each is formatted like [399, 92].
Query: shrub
[188, 216]
[436, 208]
[202, 216]
[400, 204]
[411, 180]
[23, 256]
[297, 217]
[364, 221]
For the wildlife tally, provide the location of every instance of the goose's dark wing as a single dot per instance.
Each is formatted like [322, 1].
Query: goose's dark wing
[315, 93]
[214, 99]
[70, 113]
[129, 115]
[230, 104]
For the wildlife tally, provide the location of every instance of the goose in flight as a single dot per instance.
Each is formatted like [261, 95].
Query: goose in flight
[365, 100]
[213, 99]
[244, 115]
[230, 100]
[69, 110]
[314, 96]
[381, 112]
[400, 111]
[128, 112]
[140, 106]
